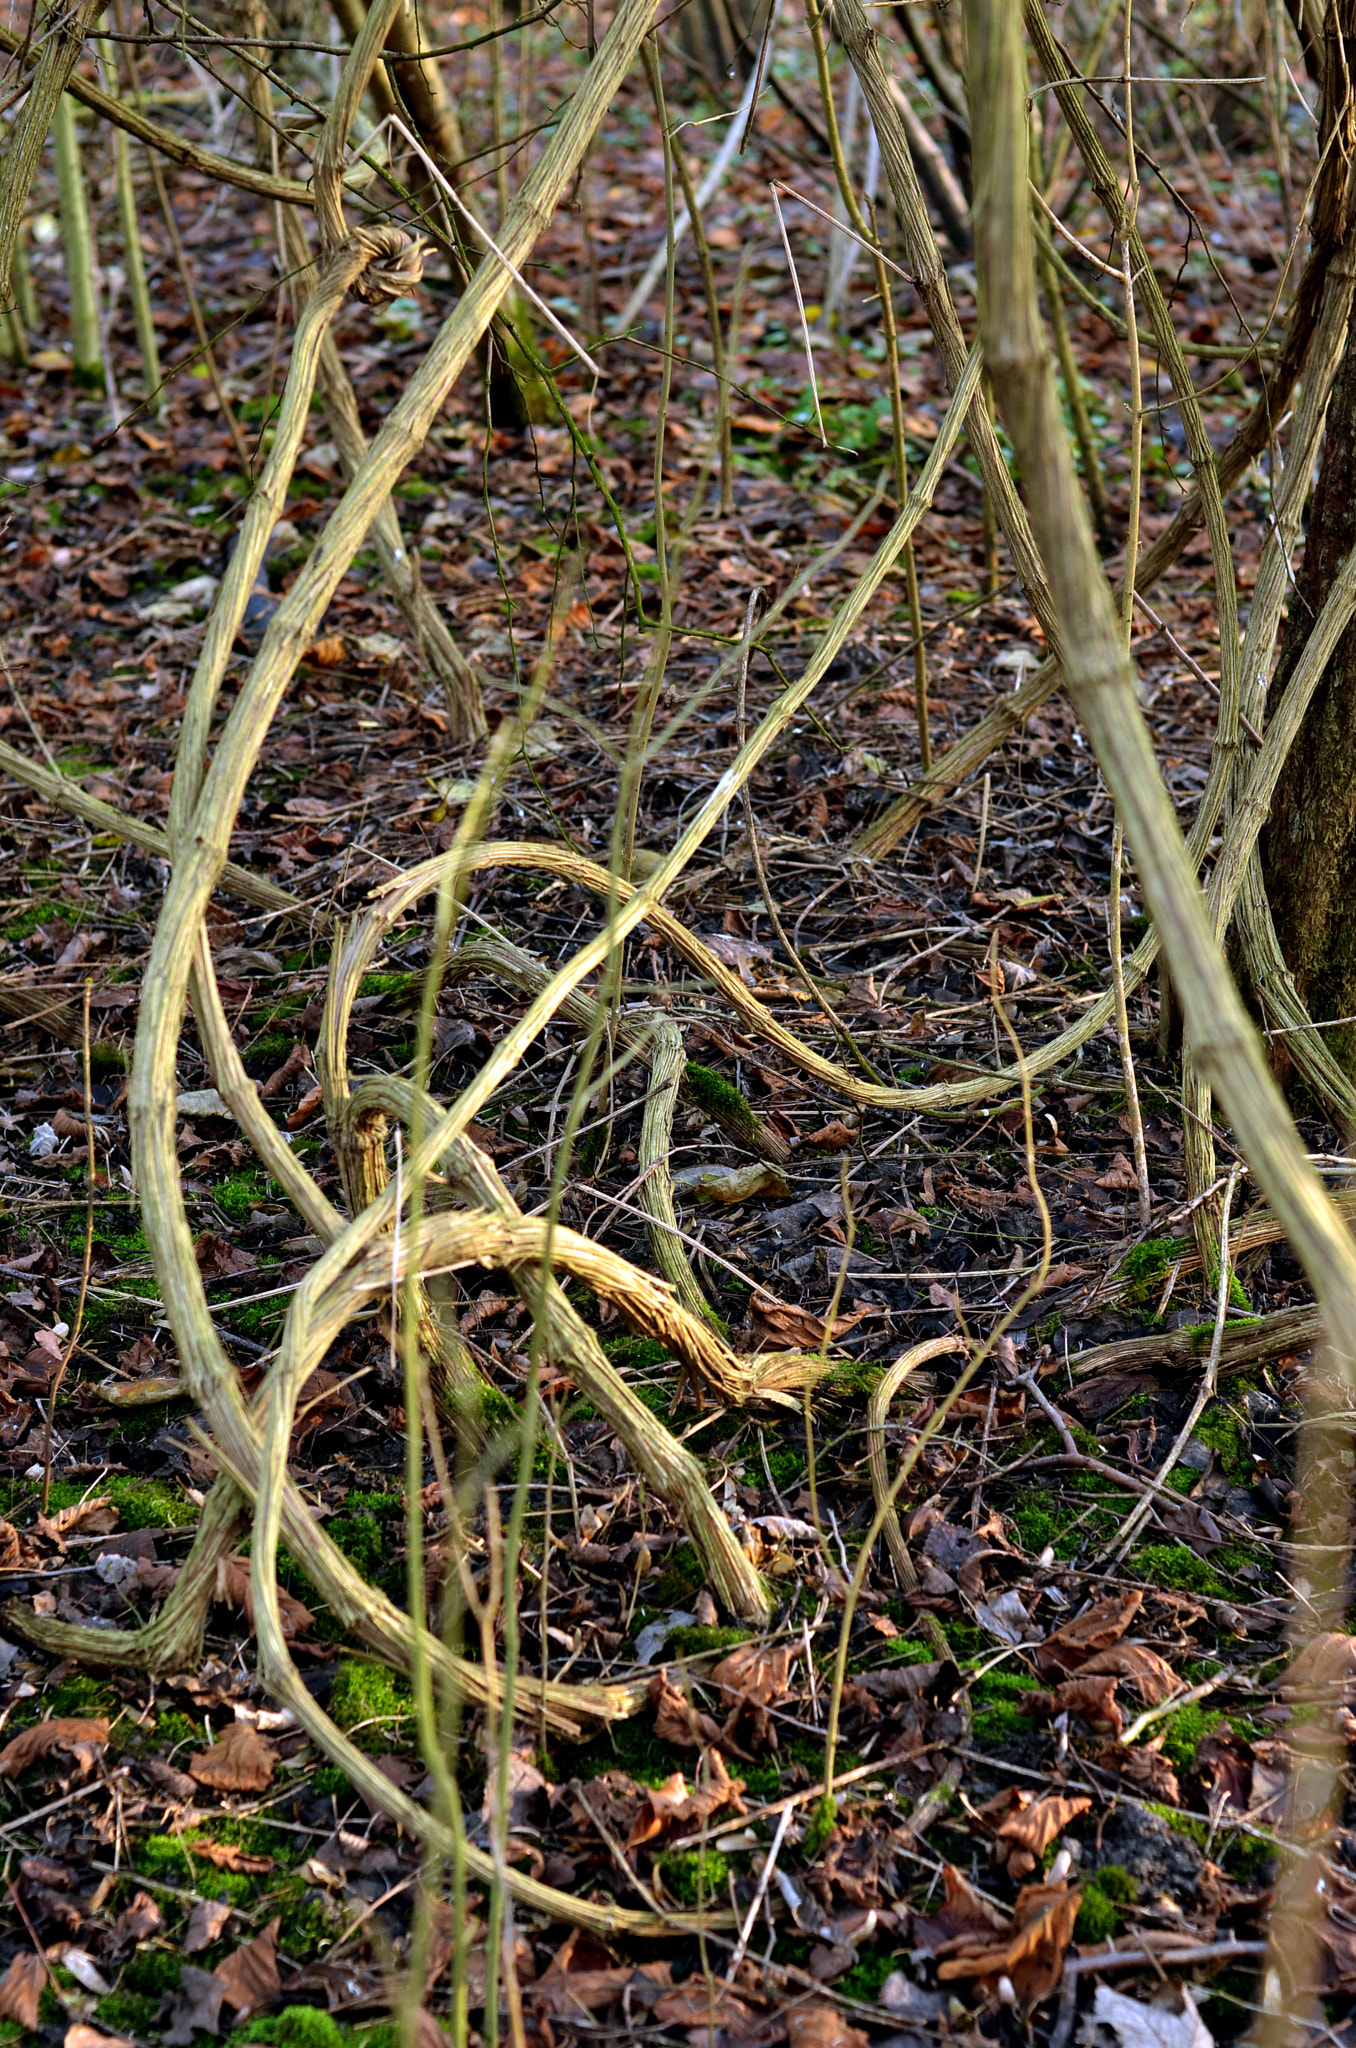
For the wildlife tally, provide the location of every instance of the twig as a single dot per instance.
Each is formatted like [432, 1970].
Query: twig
[74, 1337]
[1205, 1393]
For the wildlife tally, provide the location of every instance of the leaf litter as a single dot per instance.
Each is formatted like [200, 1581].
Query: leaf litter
[993, 1825]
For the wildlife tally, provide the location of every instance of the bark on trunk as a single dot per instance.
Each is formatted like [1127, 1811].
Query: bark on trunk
[1309, 847]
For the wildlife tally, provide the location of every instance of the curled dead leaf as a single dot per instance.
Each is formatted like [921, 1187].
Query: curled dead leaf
[233, 1590]
[1024, 1836]
[250, 1976]
[672, 1805]
[242, 1761]
[1031, 1956]
[1153, 1679]
[83, 1740]
[821, 2026]
[21, 1990]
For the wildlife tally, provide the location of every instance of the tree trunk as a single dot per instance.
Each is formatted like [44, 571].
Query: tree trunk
[1309, 847]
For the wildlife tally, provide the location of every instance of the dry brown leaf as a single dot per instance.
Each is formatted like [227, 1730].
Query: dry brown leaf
[778, 1325]
[87, 1518]
[821, 2026]
[81, 1739]
[206, 1924]
[1093, 1698]
[137, 1921]
[1153, 1679]
[1145, 1768]
[1105, 1622]
[569, 1992]
[1326, 1665]
[672, 1805]
[229, 1856]
[10, 1548]
[21, 1990]
[242, 1761]
[699, 2005]
[834, 1137]
[250, 1976]
[80, 2035]
[1032, 1955]
[327, 652]
[1023, 1837]
[676, 1720]
[234, 1590]
[1119, 1177]
[754, 1672]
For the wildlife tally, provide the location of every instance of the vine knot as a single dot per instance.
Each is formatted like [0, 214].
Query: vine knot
[395, 262]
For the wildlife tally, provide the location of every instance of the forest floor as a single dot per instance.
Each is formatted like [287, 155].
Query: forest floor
[178, 1855]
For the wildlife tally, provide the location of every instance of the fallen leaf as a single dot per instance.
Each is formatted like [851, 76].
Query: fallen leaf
[21, 1990]
[1068, 1648]
[676, 1720]
[835, 1136]
[242, 1761]
[1092, 1698]
[1136, 2025]
[196, 2006]
[754, 1672]
[821, 2026]
[234, 1590]
[1032, 1956]
[734, 1183]
[1326, 1665]
[1023, 1838]
[216, 1258]
[778, 1324]
[1063, 1275]
[81, 1739]
[1145, 1768]
[667, 1807]
[327, 652]
[1153, 1679]
[87, 1518]
[137, 1921]
[206, 1924]
[250, 1976]
[82, 2036]
[1120, 1176]
[694, 2005]
[229, 1856]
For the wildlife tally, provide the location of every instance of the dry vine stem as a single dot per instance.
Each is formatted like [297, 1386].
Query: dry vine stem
[1329, 228]
[1101, 683]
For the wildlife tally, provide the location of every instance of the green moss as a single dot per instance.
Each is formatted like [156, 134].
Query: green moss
[151, 1972]
[331, 1783]
[1146, 1267]
[150, 1504]
[243, 1192]
[855, 1376]
[694, 1640]
[127, 2013]
[694, 1876]
[172, 1728]
[716, 1097]
[1221, 1429]
[1036, 1526]
[1098, 1916]
[638, 1354]
[786, 1463]
[909, 1650]
[1117, 1883]
[680, 1578]
[390, 984]
[363, 1533]
[1184, 1730]
[865, 1978]
[823, 1821]
[368, 1693]
[1173, 1565]
[82, 1698]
